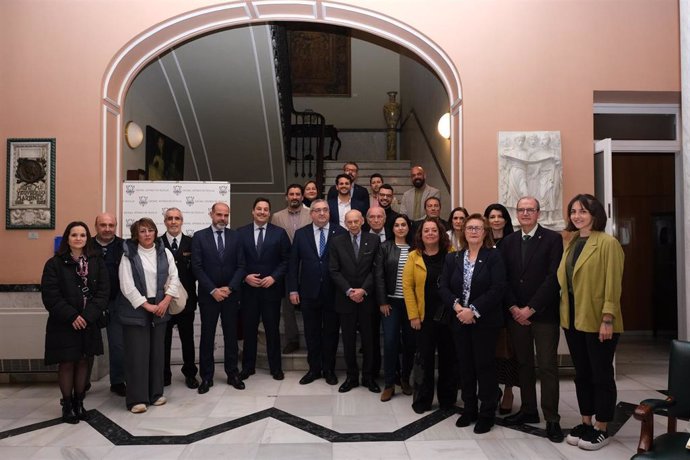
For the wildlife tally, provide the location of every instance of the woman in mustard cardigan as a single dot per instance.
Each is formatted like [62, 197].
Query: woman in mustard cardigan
[421, 276]
[590, 276]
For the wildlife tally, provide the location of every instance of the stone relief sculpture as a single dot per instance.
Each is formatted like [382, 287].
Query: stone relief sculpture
[529, 163]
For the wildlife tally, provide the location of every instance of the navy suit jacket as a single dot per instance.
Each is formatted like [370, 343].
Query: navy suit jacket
[308, 273]
[273, 260]
[213, 272]
[350, 272]
[486, 289]
[534, 283]
[361, 206]
[360, 194]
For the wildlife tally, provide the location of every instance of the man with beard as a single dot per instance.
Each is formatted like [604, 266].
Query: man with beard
[386, 198]
[414, 199]
[293, 217]
[432, 209]
[357, 192]
[344, 201]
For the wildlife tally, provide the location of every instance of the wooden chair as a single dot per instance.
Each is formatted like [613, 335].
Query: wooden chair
[670, 445]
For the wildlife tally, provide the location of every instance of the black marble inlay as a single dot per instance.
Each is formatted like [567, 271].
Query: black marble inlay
[121, 437]
[20, 288]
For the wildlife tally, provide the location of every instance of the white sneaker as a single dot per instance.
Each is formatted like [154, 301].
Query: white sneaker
[138, 409]
[160, 401]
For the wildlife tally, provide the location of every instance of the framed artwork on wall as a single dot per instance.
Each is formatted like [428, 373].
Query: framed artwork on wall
[30, 184]
[319, 61]
[164, 156]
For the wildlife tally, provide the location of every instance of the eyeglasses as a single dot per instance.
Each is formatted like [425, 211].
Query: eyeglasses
[526, 210]
[473, 229]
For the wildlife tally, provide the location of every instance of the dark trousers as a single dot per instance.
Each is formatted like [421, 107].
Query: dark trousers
[350, 323]
[376, 341]
[116, 347]
[544, 337]
[321, 333]
[228, 310]
[595, 384]
[396, 326]
[476, 351]
[255, 308]
[431, 338]
[144, 357]
[185, 329]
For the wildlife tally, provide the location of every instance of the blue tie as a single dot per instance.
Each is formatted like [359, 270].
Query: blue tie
[322, 242]
[221, 245]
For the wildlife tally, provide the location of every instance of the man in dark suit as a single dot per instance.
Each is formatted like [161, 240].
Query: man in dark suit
[531, 258]
[266, 250]
[351, 263]
[344, 201]
[309, 283]
[385, 198]
[218, 264]
[432, 209]
[181, 248]
[357, 192]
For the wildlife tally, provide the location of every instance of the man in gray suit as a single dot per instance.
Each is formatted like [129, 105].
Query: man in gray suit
[412, 204]
[290, 219]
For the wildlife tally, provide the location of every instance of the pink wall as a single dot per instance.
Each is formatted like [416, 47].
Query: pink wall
[524, 65]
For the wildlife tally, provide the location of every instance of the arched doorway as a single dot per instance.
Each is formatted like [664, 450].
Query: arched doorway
[145, 47]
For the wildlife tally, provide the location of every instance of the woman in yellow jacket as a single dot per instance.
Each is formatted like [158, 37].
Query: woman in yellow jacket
[590, 275]
[421, 277]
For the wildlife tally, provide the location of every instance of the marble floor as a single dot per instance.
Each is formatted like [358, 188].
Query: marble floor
[285, 420]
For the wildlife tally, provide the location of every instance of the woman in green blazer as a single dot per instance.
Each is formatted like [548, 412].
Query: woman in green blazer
[590, 275]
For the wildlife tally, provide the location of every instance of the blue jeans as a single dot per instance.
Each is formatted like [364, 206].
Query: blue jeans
[395, 326]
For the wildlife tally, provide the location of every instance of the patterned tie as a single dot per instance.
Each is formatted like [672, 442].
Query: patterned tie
[260, 240]
[221, 245]
[355, 246]
[173, 246]
[526, 237]
[322, 242]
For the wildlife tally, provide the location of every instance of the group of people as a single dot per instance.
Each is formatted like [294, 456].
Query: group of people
[470, 289]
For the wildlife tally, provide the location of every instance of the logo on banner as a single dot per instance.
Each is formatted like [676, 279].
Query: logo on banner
[143, 200]
[190, 200]
[129, 189]
[130, 222]
[223, 189]
[189, 232]
[177, 189]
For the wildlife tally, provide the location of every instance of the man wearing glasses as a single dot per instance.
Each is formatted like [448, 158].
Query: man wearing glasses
[531, 257]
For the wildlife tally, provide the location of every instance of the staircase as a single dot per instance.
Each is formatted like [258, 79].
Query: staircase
[396, 173]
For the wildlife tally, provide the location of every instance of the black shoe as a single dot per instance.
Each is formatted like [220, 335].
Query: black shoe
[554, 432]
[348, 385]
[78, 406]
[330, 377]
[236, 382]
[244, 375]
[484, 425]
[167, 381]
[191, 382]
[466, 419]
[594, 440]
[420, 408]
[371, 385]
[520, 418]
[204, 387]
[278, 375]
[290, 347]
[309, 377]
[119, 389]
[68, 415]
[578, 432]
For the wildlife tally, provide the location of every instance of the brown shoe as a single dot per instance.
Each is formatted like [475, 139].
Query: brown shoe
[388, 393]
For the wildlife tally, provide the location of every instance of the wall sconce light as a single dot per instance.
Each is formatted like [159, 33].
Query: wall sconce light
[444, 125]
[134, 136]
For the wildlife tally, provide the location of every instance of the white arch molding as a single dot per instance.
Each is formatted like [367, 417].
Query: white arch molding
[142, 49]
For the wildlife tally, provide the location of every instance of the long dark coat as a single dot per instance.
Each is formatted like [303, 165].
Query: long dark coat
[62, 296]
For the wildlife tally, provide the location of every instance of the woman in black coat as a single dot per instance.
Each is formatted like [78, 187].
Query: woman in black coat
[471, 286]
[75, 289]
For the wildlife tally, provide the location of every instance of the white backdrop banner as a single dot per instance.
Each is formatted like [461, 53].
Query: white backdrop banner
[151, 199]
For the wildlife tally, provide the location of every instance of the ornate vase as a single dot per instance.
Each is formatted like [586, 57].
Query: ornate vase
[391, 113]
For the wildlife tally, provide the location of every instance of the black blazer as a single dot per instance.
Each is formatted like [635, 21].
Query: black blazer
[360, 194]
[534, 283]
[486, 290]
[361, 206]
[308, 273]
[210, 270]
[183, 262]
[273, 260]
[386, 270]
[348, 272]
